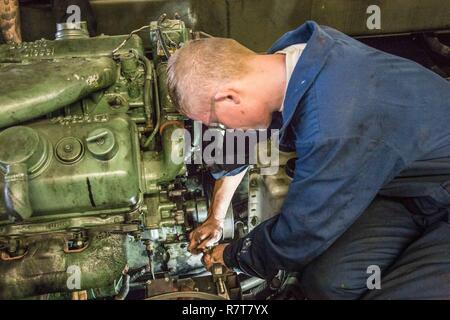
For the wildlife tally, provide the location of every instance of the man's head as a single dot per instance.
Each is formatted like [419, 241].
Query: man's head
[217, 80]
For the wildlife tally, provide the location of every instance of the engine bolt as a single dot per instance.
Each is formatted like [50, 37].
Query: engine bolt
[68, 148]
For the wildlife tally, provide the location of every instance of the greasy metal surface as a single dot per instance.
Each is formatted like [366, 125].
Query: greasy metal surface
[89, 185]
[161, 166]
[267, 192]
[68, 48]
[110, 222]
[33, 90]
[46, 268]
[16, 193]
[29, 148]
[75, 175]
[198, 288]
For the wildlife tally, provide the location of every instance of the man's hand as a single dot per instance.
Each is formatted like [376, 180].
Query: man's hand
[214, 256]
[206, 235]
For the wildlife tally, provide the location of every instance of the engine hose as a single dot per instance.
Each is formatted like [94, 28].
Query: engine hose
[124, 288]
[149, 76]
[159, 35]
[147, 89]
[157, 112]
[162, 42]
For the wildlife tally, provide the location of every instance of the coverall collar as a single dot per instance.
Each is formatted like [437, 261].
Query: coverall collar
[313, 58]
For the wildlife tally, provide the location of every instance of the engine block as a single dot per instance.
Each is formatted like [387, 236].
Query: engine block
[87, 141]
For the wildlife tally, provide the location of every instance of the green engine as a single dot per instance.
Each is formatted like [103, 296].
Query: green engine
[52, 169]
[88, 135]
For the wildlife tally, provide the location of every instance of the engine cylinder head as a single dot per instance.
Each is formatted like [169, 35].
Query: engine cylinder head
[66, 31]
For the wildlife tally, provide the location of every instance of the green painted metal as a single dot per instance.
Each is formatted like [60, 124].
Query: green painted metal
[26, 155]
[33, 90]
[110, 221]
[84, 47]
[173, 31]
[159, 166]
[58, 188]
[28, 148]
[84, 160]
[99, 265]
[106, 175]
[73, 160]
[69, 170]
[165, 101]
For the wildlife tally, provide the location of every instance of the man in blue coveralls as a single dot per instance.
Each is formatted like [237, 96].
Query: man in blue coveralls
[372, 136]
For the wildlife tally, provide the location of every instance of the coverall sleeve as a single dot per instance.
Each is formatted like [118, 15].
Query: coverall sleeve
[334, 182]
[220, 172]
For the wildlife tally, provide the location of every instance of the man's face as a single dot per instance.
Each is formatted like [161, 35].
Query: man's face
[237, 109]
[246, 115]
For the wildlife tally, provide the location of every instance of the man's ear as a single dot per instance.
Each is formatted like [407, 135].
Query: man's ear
[227, 96]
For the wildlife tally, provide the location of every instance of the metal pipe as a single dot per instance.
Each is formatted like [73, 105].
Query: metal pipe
[157, 112]
[149, 73]
[15, 192]
[160, 37]
[251, 283]
[124, 288]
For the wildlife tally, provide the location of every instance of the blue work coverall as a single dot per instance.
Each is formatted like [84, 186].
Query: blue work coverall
[372, 135]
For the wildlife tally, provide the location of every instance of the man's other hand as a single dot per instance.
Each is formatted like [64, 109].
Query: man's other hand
[206, 235]
[215, 255]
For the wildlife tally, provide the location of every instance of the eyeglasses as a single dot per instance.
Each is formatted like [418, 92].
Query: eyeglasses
[213, 121]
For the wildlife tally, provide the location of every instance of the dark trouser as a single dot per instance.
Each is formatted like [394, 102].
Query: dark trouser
[411, 249]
